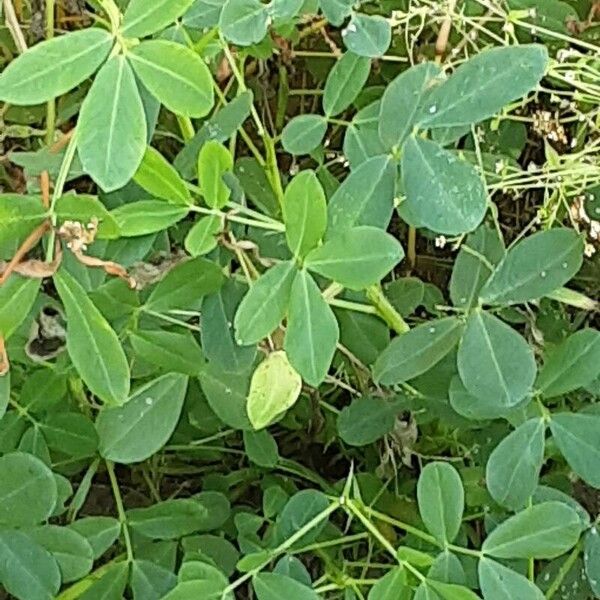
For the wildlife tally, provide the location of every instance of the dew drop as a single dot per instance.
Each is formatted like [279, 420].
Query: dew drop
[432, 109]
[149, 401]
[432, 330]
[565, 265]
[543, 274]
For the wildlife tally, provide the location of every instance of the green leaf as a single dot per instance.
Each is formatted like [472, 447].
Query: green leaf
[543, 531]
[273, 586]
[4, 393]
[470, 272]
[25, 500]
[185, 284]
[501, 583]
[392, 586]
[261, 448]
[111, 131]
[54, 67]
[304, 213]
[550, 14]
[147, 216]
[17, 297]
[366, 419]
[344, 82]
[312, 331]
[301, 509]
[208, 582]
[303, 134]
[536, 266]
[275, 387]
[244, 22]
[485, 84]
[203, 14]
[513, 469]
[175, 75]
[170, 519]
[178, 352]
[151, 581]
[111, 586]
[85, 208]
[364, 335]
[447, 568]
[336, 11]
[93, 346]
[70, 433]
[573, 364]
[137, 430]
[143, 18]
[213, 162]
[443, 192]
[578, 439]
[441, 500]
[418, 350]
[100, 532]
[357, 257]
[265, 305]
[27, 571]
[494, 361]
[591, 556]
[436, 590]
[19, 216]
[71, 550]
[366, 197]
[368, 35]
[202, 237]
[402, 101]
[160, 179]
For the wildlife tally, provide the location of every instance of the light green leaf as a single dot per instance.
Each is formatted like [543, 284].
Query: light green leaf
[545, 531]
[4, 393]
[92, 344]
[336, 11]
[366, 419]
[25, 500]
[368, 35]
[402, 100]
[573, 364]
[513, 469]
[536, 266]
[312, 331]
[203, 14]
[275, 388]
[160, 179]
[304, 213]
[494, 361]
[591, 556]
[185, 285]
[501, 583]
[392, 586]
[111, 131]
[441, 500]
[209, 581]
[135, 431]
[84, 209]
[303, 134]
[417, 351]
[357, 257]
[19, 216]
[265, 305]
[175, 75]
[202, 237]
[147, 216]
[578, 439]
[366, 197]
[143, 18]
[54, 67]
[344, 82]
[261, 448]
[470, 272]
[443, 192]
[273, 586]
[17, 297]
[27, 571]
[485, 84]
[244, 22]
[214, 161]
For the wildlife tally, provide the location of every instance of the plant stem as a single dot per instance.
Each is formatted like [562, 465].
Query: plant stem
[110, 467]
[386, 311]
[51, 105]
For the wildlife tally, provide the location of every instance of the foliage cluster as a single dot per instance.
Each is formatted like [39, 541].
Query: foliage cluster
[298, 300]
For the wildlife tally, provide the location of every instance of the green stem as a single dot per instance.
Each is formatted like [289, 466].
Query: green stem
[187, 128]
[110, 467]
[51, 105]
[386, 311]
[355, 306]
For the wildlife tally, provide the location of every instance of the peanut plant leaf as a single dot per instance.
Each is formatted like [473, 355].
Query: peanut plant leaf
[19, 216]
[501, 583]
[417, 351]
[344, 83]
[93, 346]
[336, 11]
[356, 258]
[111, 130]
[312, 331]
[54, 67]
[443, 192]
[17, 297]
[244, 22]
[304, 213]
[143, 18]
[213, 162]
[202, 237]
[271, 586]
[485, 84]
[366, 420]
[85, 209]
[303, 134]
[147, 216]
[494, 361]
[536, 266]
[135, 431]
[175, 75]
[368, 35]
